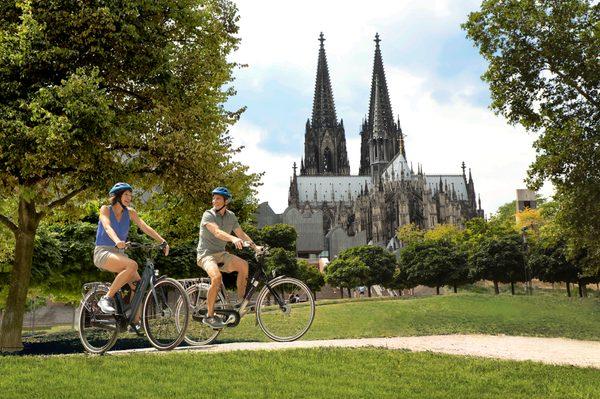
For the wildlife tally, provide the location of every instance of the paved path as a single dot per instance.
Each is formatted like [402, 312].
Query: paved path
[545, 350]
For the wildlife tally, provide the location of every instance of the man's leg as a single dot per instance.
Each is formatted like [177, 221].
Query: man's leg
[211, 268]
[239, 265]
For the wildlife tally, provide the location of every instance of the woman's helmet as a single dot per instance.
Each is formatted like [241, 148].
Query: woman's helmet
[118, 188]
[222, 191]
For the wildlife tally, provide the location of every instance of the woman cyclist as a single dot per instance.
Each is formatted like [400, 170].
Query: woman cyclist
[111, 236]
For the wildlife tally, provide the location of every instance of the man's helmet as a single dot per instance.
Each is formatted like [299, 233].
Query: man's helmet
[119, 187]
[222, 191]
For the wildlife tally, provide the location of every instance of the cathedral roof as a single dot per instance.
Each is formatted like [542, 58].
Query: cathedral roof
[331, 188]
[396, 167]
[433, 181]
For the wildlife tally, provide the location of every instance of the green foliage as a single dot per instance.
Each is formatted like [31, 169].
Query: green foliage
[499, 259]
[433, 263]
[347, 272]
[311, 275]
[544, 74]
[279, 236]
[282, 262]
[381, 263]
[409, 233]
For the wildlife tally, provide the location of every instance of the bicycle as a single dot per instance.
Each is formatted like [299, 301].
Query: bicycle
[98, 331]
[284, 310]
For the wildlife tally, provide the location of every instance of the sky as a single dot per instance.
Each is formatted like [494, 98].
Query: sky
[433, 76]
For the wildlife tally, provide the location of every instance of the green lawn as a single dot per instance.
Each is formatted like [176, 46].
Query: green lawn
[545, 316]
[306, 373]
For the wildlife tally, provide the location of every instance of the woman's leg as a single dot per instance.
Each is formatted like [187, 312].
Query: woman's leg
[125, 268]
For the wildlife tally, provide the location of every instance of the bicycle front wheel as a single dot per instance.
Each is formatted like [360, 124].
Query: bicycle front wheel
[286, 311]
[97, 330]
[165, 325]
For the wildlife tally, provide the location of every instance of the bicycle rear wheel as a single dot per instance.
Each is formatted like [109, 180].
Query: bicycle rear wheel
[280, 315]
[97, 330]
[197, 332]
[165, 326]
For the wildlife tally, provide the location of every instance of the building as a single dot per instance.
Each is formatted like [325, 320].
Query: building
[333, 210]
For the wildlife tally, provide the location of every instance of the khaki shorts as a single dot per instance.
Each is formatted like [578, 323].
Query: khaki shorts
[102, 253]
[214, 259]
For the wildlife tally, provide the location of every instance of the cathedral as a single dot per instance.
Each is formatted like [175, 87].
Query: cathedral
[333, 210]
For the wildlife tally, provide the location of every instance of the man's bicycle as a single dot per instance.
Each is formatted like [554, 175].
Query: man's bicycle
[158, 296]
[284, 309]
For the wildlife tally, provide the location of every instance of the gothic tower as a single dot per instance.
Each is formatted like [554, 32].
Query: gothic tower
[381, 137]
[325, 140]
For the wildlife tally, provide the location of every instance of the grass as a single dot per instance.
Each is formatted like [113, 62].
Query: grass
[302, 373]
[542, 315]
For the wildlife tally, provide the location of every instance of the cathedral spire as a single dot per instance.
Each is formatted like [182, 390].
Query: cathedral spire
[323, 114]
[378, 114]
[379, 89]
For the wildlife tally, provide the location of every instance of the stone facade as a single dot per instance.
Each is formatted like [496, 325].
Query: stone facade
[386, 194]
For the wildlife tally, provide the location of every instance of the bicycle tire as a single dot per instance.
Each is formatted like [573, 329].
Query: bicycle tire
[199, 334]
[271, 317]
[95, 340]
[157, 311]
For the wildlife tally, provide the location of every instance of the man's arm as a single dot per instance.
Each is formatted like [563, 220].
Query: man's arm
[242, 234]
[221, 235]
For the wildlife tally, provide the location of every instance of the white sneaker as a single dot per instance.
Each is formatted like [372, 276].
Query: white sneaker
[107, 305]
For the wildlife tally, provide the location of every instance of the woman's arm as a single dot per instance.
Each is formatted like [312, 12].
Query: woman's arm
[105, 220]
[147, 229]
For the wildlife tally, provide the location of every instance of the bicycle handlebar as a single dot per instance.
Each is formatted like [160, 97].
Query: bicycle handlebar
[139, 245]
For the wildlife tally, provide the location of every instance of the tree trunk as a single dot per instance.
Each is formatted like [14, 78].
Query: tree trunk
[512, 287]
[369, 291]
[568, 289]
[455, 289]
[349, 294]
[496, 289]
[342, 292]
[437, 290]
[580, 290]
[12, 323]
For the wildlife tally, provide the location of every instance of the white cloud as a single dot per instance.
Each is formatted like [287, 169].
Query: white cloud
[278, 168]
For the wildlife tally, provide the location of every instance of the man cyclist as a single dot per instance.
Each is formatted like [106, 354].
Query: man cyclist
[216, 227]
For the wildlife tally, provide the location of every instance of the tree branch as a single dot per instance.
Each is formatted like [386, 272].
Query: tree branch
[9, 223]
[63, 200]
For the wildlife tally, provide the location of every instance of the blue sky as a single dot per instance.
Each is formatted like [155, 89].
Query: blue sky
[433, 74]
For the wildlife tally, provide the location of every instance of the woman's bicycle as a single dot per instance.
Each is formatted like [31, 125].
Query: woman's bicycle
[159, 296]
[284, 309]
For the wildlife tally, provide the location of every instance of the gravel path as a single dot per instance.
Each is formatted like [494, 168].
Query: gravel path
[545, 350]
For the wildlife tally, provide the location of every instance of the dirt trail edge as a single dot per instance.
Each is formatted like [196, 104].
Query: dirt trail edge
[545, 350]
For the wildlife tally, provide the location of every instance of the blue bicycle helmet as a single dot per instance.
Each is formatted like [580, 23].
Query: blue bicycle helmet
[119, 187]
[222, 191]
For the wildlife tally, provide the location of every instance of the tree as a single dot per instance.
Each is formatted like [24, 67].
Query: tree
[97, 92]
[548, 263]
[279, 236]
[310, 275]
[544, 74]
[282, 262]
[409, 233]
[347, 272]
[499, 259]
[434, 263]
[381, 263]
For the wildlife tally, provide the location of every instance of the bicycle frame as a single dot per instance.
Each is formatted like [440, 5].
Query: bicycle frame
[125, 314]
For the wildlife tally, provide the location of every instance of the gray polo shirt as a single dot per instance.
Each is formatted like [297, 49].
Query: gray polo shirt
[209, 244]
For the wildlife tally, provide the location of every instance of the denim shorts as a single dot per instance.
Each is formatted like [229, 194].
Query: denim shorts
[103, 252]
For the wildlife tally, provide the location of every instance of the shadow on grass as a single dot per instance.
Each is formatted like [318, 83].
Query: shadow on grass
[66, 343]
